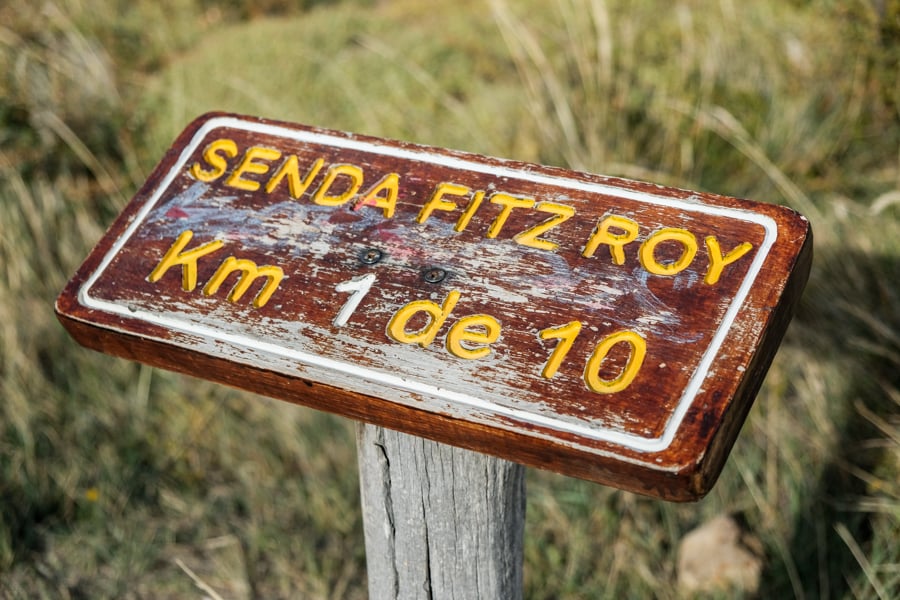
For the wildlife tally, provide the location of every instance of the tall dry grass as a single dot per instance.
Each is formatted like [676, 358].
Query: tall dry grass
[122, 481]
[757, 100]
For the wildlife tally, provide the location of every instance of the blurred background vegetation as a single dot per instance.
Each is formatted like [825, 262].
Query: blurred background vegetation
[121, 481]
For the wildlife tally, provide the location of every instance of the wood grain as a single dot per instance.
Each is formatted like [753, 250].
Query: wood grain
[440, 522]
[429, 291]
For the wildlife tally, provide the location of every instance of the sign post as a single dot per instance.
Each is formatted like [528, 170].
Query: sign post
[605, 329]
[440, 522]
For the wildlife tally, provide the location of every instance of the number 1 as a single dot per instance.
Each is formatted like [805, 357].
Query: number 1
[358, 287]
[566, 334]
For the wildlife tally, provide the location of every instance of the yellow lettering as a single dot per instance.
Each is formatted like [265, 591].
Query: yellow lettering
[256, 168]
[389, 184]
[437, 315]
[560, 212]
[508, 203]
[482, 330]
[682, 236]
[616, 241]
[188, 260]
[566, 334]
[467, 215]
[213, 155]
[635, 360]
[249, 273]
[437, 202]
[718, 261]
[291, 169]
[355, 174]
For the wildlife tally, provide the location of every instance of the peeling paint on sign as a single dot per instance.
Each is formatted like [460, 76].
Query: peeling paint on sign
[564, 320]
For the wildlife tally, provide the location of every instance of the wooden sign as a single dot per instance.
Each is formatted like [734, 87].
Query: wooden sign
[606, 329]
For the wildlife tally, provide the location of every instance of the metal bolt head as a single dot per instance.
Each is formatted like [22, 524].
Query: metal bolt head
[434, 274]
[370, 256]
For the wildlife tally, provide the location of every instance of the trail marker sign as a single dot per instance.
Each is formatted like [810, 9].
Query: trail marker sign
[607, 329]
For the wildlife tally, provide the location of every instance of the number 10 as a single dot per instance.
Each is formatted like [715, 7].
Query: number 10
[566, 334]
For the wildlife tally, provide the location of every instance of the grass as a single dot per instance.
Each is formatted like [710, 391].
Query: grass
[119, 481]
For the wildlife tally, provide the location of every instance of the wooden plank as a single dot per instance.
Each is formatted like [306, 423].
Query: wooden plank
[440, 522]
[607, 329]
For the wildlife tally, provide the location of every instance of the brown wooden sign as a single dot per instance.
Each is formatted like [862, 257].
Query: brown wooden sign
[607, 329]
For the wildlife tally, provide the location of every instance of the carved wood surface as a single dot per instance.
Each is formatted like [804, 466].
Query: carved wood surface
[608, 329]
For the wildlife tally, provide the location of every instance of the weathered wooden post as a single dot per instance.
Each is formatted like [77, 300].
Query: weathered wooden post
[440, 521]
[606, 329]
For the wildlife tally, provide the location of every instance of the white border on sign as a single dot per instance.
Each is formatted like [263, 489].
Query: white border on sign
[634, 442]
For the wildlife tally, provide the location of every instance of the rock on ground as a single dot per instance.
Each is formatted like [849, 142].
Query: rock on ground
[719, 555]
